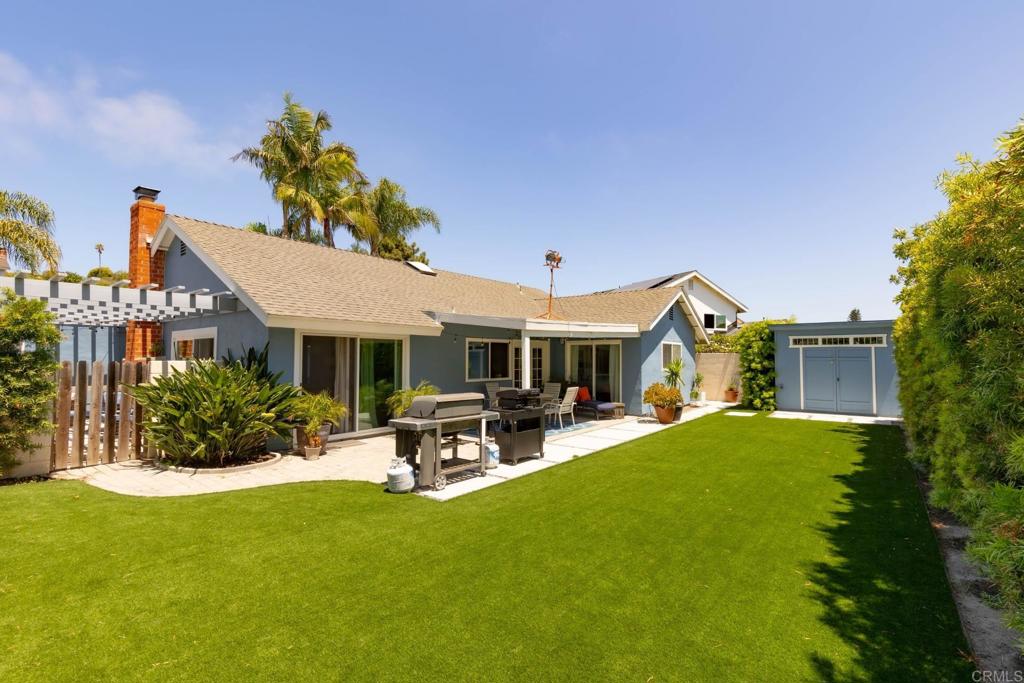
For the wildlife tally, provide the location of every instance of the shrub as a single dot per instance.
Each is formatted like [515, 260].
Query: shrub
[662, 396]
[315, 410]
[102, 272]
[756, 346]
[27, 367]
[719, 343]
[250, 358]
[212, 415]
[400, 401]
[959, 347]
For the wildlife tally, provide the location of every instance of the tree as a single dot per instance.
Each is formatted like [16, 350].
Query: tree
[854, 315]
[26, 231]
[395, 249]
[293, 158]
[99, 252]
[396, 219]
[27, 337]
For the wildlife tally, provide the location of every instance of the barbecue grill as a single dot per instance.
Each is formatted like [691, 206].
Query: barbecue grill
[431, 419]
[520, 430]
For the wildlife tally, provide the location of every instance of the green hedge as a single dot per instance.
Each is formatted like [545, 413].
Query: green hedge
[959, 344]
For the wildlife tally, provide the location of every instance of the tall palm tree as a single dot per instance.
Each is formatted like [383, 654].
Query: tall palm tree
[395, 217]
[26, 231]
[347, 206]
[294, 160]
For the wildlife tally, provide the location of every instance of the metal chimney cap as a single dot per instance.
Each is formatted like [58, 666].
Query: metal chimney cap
[146, 193]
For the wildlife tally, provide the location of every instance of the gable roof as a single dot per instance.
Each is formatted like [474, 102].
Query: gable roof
[288, 283]
[676, 280]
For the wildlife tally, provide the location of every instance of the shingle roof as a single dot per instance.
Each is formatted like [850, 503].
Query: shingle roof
[289, 278]
[651, 283]
[640, 307]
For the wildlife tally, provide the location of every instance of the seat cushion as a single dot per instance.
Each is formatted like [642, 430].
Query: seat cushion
[598, 406]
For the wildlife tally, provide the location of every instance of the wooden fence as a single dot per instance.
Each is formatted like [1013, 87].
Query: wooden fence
[96, 420]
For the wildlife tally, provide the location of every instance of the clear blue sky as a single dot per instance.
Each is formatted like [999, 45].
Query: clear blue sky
[773, 146]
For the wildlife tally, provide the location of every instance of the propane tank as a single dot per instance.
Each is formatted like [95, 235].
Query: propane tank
[400, 478]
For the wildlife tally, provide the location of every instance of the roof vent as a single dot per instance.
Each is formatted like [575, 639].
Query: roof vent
[421, 267]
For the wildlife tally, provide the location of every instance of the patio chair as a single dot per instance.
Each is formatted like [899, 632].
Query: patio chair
[550, 393]
[567, 406]
[492, 389]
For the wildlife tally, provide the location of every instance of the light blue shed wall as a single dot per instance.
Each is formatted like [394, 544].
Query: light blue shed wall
[787, 363]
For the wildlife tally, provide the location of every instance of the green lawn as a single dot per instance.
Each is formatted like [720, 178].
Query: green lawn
[723, 549]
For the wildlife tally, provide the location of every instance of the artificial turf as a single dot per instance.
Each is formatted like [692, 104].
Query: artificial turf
[722, 549]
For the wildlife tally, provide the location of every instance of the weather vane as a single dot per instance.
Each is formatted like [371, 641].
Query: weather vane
[552, 261]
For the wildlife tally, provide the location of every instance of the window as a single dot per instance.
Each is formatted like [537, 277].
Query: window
[803, 341]
[869, 341]
[835, 341]
[487, 359]
[864, 340]
[197, 343]
[670, 351]
[713, 321]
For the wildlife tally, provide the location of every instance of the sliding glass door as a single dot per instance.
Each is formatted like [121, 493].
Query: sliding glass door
[597, 366]
[362, 373]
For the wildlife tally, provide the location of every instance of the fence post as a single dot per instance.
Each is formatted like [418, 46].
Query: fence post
[110, 423]
[124, 426]
[63, 416]
[95, 411]
[78, 437]
[142, 373]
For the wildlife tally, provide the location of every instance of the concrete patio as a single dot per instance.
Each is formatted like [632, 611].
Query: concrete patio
[365, 460]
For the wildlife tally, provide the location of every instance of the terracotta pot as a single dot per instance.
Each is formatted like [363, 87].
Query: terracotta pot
[665, 414]
[731, 396]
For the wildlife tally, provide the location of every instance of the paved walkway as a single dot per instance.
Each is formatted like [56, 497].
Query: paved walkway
[366, 460]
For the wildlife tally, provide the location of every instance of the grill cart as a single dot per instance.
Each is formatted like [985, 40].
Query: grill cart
[431, 419]
[520, 430]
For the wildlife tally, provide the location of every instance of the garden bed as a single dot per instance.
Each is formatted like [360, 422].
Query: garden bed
[266, 460]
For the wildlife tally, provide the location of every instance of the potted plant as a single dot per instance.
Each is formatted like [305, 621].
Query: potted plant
[674, 380]
[731, 395]
[315, 413]
[664, 400]
[698, 383]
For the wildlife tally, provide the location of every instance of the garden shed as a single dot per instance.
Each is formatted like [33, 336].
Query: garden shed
[837, 367]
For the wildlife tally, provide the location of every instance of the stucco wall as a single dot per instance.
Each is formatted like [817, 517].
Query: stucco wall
[707, 300]
[674, 328]
[787, 363]
[720, 370]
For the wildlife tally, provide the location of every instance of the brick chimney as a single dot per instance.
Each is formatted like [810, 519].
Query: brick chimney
[146, 216]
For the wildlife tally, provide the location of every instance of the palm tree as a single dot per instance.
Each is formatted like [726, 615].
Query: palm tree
[294, 160]
[26, 231]
[347, 206]
[396, 219]
[99, 251]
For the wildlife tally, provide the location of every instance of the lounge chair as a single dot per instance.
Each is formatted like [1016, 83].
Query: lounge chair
[598, 408]
[567, 406]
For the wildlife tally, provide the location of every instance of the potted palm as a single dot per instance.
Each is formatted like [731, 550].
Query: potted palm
[664, 400]
[316, 413]
[674, 380]
[698, 383]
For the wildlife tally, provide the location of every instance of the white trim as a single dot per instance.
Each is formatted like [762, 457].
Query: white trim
[874, 384]
[665, 310]
[192, 335]
[594, 343]
[347, 328]
[721, 292]
[542, 326]
[848, 337]
[488, 341]
[545, 346]
[695, 323]
[662, 350]
[801, 377]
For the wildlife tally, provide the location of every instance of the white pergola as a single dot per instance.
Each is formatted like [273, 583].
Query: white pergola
[88, 304]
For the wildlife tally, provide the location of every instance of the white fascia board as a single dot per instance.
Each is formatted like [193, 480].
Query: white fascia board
[740, 307]
[169, 229]
[542, 326]
[695, 323]
[665, 310]
[351, 327]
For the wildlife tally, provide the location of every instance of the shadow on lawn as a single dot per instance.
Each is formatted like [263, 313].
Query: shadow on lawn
[884, 590]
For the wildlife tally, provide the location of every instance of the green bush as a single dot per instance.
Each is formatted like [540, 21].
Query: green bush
[662, 396]
[959, 346]
[315, 410]
[400, 401]
[756, 345]
[212, 415]
[719, 343]
[27, 367]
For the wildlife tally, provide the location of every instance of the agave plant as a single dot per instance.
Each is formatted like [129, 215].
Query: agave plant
[674, 373]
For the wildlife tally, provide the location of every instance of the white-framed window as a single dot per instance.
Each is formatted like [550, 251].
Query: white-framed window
[670, 351]
[198, 343]
[840, 340]
[488, 359]
[715, 321]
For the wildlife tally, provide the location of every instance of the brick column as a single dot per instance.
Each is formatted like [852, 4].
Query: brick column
[146, 216]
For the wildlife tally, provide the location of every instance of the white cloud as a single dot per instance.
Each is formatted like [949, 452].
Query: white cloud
[141, 126]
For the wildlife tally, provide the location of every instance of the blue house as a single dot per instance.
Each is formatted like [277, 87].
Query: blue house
[838, 367]
[359, 326]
